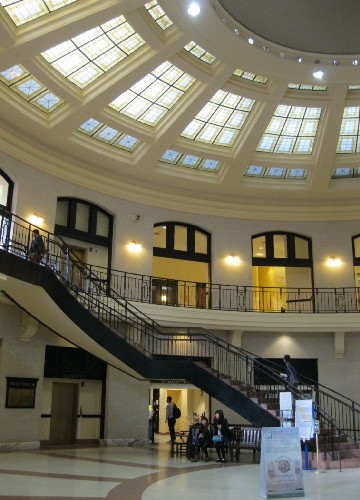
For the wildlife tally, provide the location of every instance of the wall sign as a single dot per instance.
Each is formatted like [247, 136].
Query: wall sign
[20, 392]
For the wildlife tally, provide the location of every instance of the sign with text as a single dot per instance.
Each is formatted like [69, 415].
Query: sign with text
[281, 473]
[304, 418]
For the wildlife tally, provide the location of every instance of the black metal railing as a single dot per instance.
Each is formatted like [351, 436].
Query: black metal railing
[238, 366]
[180, 293]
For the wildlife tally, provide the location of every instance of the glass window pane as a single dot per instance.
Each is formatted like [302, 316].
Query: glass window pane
[4, 188]
[357, 246]
[180, 238]
[159, 238]
[62, 208]
[259, 247]
[200, 242]
[280, 246]
[82, 217]
[102, 224]
[301, 248]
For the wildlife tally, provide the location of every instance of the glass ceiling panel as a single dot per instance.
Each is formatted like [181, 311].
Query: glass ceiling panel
[89, 55]
[298, 86]
[190, 161]
[220, 120]
[345, 172]
[24, 11]
[292, 130]
[158, 14]
[276, 172]
[250, 76]
[101, 132]
[151, 98]
[199, 52]
[20, 81]
[348, 141]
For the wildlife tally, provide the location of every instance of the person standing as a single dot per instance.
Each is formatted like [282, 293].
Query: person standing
[170, 418]
[36, 252]
[291, 374]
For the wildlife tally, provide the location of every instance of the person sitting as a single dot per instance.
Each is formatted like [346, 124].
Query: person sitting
[221, 434]
[191, 442]
[203, 439]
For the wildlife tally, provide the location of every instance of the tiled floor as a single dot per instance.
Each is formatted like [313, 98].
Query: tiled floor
[148, 473]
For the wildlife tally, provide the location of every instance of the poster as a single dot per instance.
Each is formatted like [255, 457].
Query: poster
[281, 473]
[304, 418]
[286, 409]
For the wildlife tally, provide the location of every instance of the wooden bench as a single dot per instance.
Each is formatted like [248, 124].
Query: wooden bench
[178, 448]
[244, 438]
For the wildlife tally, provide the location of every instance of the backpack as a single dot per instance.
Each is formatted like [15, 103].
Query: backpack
[176, 412]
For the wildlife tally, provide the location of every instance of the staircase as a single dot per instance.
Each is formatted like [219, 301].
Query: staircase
[222, 370]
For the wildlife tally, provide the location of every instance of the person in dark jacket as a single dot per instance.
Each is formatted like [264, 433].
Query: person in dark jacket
[36, 251]
[222, 431]
[291, 374]
[203, 441]
[191, 442]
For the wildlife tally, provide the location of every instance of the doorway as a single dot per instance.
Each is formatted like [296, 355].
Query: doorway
[63, 421]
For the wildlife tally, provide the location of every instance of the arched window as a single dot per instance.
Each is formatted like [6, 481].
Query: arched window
[88, 230]
[181, 264]
[6, 191]
[356, 258]
[282, 271]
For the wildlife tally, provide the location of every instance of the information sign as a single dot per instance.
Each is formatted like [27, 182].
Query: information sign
[281, 473]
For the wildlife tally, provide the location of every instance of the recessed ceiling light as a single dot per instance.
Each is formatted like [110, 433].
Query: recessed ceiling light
[282, 54]
[318, 74]
[193, 9]
[317, 61]
[336, 62]
[265, 48]
[236, 31]
[355, 62]
[251, 41]
[299, 59]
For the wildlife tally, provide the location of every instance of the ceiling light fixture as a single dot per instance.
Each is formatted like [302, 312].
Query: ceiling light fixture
[318, 74]
[336, 62]
[251, 41]
[265, 48]
[193, 9]
[299, 59]
[355, 62]
[282, 55]
[233, 259]
[236, 31]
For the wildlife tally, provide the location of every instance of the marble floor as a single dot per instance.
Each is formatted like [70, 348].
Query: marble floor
[147, 473]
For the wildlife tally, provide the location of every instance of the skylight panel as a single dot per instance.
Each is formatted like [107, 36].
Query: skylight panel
[190, 161]
[275, 172]
[24, 11]
[158, 14]
[86, 57]
[220, 120]
[18, 79]
[315, 88]
[292, 130]
[199, 53]
[103, 133]
[154, 95]
[354, 87]
[348, 141]
[250, 76]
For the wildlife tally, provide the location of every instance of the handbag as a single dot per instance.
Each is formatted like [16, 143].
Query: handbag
[218, 439]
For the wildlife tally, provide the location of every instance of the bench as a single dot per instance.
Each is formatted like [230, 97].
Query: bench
[244, 438]
[178, 448]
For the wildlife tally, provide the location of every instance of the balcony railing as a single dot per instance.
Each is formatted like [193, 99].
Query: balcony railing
[180, 293]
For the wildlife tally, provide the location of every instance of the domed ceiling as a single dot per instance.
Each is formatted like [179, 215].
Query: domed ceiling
[249, 109]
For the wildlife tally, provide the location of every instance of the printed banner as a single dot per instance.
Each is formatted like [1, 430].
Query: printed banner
[281, 473]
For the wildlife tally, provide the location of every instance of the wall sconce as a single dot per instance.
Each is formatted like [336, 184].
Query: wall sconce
[35, 219]
[135, 247]
[233, 259]
[334, 261]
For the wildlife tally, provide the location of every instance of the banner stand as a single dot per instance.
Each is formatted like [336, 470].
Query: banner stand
[316, 429]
